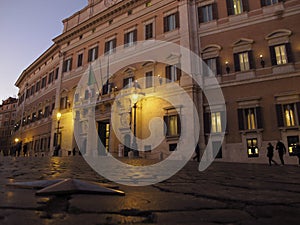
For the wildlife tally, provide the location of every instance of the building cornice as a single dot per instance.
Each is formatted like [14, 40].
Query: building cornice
[96, 20]
[37, 63]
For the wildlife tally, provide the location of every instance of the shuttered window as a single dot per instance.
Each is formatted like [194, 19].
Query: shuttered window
[207, 13]
[281, 54]
[171, 22]
[130, 38]
[250, 118]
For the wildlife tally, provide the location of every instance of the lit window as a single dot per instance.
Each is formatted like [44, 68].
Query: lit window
[238, 6]
[235, 7]
[172, 125]
[292, 143]
[171, 22]
[280, 53]
[289, 113]
[243, 61]
[250, 118]
[216, 124]
[130, 38]
[252, 147]
[173, 73]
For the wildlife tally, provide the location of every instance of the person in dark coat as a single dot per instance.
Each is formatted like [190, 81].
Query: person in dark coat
[270, 154]
[197, 151]
[281, 151]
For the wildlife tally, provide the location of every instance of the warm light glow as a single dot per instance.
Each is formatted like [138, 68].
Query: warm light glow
[134, 98]
[58, 116]
[226, 62]
[261, 56]
[17, 140]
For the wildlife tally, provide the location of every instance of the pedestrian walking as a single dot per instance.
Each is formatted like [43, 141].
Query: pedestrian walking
[197, 151]
[270, 154]
[281, 151]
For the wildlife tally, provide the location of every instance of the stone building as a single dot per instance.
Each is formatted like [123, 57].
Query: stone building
[250, 47]
[7, 123]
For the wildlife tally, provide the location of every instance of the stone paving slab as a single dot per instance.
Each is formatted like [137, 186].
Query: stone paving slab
[226, 193]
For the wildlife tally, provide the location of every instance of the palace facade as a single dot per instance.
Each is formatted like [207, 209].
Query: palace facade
[7, 123]
[252, 48]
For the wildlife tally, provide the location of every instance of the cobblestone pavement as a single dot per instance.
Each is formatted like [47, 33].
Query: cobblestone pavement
[225, 193]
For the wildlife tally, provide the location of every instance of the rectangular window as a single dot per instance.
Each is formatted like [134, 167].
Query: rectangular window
[33, 116]
[67, 65]
[110, 46]
[79, 60]
[173, 73]
[32, 90]
[64, 103]
[44, 81]
[250, 118]
[171, 22]
[269, 2]
[93, 54]
[172, 147]
[47, 111]
[211, 67]
[243, 61]
[235, 7]
[288, 115]
[149, 31]
[206, 13]
[281, 54]
[56, 73]
[128, 82]
[149, 79]
[252, 147]
[50, 77]
[130, 38]
[216, 122]
[40, 114]
[292, 142]
[172, 125]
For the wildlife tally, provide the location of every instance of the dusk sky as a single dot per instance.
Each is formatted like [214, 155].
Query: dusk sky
[27, 30]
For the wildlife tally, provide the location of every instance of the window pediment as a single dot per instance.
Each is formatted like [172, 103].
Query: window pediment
[278, 34]
[242, 41]
[211, 51]
[242, 45]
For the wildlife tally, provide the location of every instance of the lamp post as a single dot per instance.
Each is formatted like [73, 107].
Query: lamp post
[58, 117]
[134, 100]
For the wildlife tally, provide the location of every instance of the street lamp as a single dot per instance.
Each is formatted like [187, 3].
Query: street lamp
[134, 99]
[58, 117]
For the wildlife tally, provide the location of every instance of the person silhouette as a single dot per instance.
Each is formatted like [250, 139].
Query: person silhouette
[270, 154]
[197, 151]
[281, 151]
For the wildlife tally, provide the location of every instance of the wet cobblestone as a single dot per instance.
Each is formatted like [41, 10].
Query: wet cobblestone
[226, 193]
